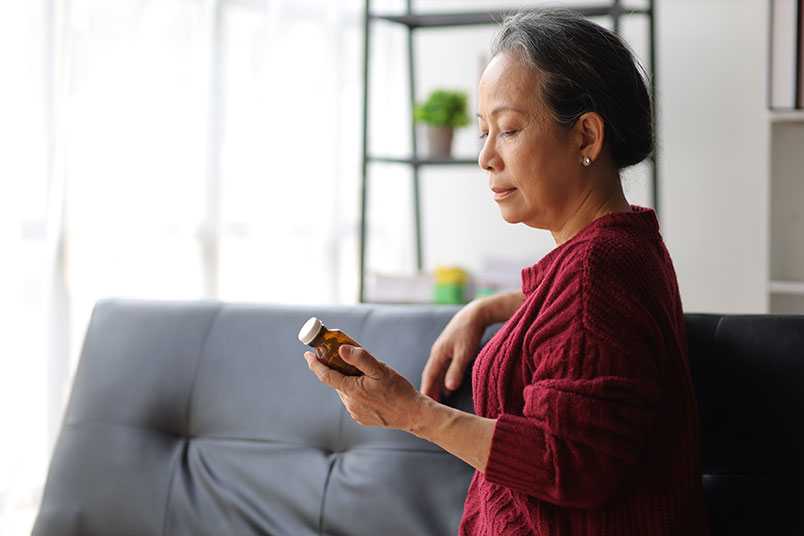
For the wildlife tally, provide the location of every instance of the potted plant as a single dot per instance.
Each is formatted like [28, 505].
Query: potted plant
[442, 112]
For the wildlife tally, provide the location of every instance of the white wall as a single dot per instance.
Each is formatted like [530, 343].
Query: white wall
[712, 82]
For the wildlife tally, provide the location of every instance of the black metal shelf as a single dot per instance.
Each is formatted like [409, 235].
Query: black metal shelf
[424, 161]
[412, 21]
[475, 18]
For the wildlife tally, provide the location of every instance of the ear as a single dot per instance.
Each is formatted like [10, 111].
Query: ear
[589, 131]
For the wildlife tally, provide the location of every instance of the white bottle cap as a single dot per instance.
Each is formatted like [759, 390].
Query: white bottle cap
[309, 330]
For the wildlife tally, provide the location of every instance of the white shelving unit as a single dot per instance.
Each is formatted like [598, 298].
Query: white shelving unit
[786, 284]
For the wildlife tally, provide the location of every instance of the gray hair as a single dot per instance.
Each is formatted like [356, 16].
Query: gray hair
[584, 67]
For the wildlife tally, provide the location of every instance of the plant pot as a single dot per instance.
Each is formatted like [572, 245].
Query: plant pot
[439, 141]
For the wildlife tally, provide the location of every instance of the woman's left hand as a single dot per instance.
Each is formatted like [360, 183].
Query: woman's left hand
[380, 397]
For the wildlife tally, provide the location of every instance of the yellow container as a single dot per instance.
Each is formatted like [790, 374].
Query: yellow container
[449, 285]
[450, 275]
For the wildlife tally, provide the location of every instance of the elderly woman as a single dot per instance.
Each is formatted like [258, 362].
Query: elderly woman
[586, 418]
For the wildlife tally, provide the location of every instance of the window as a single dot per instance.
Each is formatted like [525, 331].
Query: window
[180, 149]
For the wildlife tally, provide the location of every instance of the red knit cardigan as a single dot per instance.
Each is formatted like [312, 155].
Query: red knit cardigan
[597, 426]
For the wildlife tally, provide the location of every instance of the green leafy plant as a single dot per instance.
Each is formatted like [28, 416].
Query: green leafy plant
[443, 108]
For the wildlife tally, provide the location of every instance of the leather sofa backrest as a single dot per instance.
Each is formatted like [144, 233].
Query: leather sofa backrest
[748, 372]
[202, 418]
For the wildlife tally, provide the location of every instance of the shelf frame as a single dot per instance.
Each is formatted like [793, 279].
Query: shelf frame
[478, 18]
[415, 21]
[419, 162]
[786, 287]
[786, 116]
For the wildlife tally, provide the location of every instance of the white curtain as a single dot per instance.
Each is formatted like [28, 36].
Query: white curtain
[170, 149]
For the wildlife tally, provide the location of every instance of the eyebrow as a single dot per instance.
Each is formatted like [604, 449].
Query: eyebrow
[499, 109]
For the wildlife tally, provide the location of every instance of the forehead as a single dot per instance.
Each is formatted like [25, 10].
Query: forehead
[509, 81]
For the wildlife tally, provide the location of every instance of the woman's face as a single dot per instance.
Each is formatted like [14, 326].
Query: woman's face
[534, 168]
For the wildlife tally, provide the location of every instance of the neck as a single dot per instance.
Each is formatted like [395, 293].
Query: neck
[605, 197]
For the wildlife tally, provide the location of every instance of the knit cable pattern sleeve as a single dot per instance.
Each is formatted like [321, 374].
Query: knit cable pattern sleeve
[579, 437]
[589, 406]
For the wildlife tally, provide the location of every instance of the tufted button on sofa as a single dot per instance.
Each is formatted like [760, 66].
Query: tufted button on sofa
[201, 418]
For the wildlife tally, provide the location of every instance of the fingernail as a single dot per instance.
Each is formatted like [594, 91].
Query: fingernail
[346, 351]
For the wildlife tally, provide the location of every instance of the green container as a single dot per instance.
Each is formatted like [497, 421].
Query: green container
[482, 292]
[448, 294]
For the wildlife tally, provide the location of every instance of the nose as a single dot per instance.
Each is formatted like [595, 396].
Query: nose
[488, 159]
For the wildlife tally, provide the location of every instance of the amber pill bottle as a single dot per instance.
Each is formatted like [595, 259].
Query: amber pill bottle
[326, 343]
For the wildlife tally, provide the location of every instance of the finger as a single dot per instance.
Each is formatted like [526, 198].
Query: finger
[455, 372]
[453, 376]
[433, 375]
[326, 375]
[359, 358]
[431, 386]
[432, 389]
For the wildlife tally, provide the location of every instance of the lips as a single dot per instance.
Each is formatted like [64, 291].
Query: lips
[501, 193]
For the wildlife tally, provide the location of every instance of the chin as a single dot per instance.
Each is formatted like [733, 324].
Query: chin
[514, 214]
[509, 217]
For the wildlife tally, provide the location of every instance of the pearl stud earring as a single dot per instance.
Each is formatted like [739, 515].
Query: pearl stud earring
[587, 161]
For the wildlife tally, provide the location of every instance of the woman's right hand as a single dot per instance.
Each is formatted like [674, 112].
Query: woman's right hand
[457, 345]
[452, 352]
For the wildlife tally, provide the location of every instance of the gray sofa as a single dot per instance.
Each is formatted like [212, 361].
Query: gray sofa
[202, 418]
